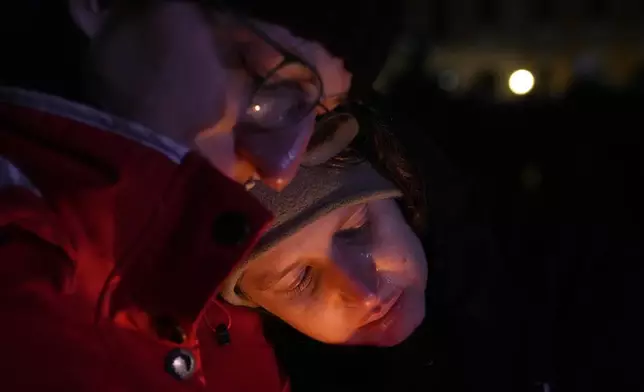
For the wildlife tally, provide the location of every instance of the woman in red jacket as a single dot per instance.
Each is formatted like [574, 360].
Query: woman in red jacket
[122, 150]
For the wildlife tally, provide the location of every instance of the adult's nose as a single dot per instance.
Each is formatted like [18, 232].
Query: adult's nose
[357, 280]
[354, 294]
[275, 154]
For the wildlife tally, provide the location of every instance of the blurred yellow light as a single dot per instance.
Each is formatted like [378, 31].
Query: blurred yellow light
[521, 82]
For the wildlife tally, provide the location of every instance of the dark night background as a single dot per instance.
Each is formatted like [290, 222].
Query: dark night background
[535, 242]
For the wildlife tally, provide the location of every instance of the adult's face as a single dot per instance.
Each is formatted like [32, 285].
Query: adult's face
[354, 276]
[209, 80]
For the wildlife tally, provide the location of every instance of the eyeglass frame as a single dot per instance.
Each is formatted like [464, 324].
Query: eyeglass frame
[288, 59]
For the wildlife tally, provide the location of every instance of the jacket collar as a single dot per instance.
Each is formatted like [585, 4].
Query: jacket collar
[94, 118]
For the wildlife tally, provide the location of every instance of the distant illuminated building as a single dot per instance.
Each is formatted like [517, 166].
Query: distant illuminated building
[557, 41]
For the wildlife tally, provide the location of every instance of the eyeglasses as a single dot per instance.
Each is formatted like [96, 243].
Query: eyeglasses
[290, 92]
[287, 94]
[279, 99]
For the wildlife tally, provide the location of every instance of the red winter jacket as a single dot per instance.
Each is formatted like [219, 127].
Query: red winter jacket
[113, 242]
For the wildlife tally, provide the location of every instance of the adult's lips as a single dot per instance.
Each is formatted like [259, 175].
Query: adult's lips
[383, 328]
[381, 311]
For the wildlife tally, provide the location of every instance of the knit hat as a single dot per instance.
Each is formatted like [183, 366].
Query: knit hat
[315, 192]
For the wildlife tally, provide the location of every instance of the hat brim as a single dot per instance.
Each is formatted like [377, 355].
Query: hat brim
[316, 192]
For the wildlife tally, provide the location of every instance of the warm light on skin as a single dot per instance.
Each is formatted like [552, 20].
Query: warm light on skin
[355, 276]
[521, 82]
